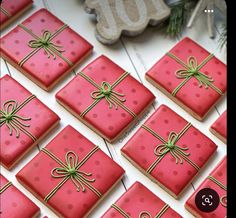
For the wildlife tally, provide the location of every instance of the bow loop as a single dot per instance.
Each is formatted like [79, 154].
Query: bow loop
[71, 161]
[145, 214]
[192, 64]
[112, 97]
[223, 201]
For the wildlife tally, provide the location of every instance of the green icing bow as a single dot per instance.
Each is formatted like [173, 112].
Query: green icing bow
[45, 43]
[111, 96]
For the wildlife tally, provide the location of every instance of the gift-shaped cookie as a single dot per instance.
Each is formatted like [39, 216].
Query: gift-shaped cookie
[14, 204]
[139, 201]
[219, 127]
[191, 77]
[24, 121]
[210, 198]
[10, 10]
[106, 98]
[44, 48]
[70, 175]
[169, 150]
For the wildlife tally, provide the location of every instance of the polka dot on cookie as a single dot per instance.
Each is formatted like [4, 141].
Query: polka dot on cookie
[69, 191]
[7, 142]
[66, 149]
[144, 161]
[168, 72]
[123, 114]
[97, 162]
[81, 149]
[195, 133]
[36, 178]
[198, 145]
[111, 128]
[201, 159]
[133, 90]
[14, 204]
[98, 176]
[36, 164]
[95, 115]
[23, 142]
[113, 214]
[219, 173]
[189, 172]
[166, 121]
[70, 206]
[175, 173]
[142, 147]
[142, 200]
[127, 200]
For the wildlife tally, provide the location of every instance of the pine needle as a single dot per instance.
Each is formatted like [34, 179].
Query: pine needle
[179, 13]
[223, 36]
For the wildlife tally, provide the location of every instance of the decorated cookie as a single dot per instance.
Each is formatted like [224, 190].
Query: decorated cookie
[169, 150]
[11, 10]
[14, 204]
[44, 48]
[138, 201]
[219, 127]
[106, 98]
[210, 198]
[70, 175]
[24, 121]
[125, 17]
[191, 77]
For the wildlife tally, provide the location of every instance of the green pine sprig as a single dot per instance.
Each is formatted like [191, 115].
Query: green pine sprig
[180, 11]
[223, 36]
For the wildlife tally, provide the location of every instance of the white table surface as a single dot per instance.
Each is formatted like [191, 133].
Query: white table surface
[136, 55]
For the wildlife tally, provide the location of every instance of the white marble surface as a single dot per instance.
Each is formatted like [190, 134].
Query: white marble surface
[136, 55]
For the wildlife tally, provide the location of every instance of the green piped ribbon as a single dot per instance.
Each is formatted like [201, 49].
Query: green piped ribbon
[143, 214]
[170, 146]
[12, 120]
[192, 70]
[45, 43]
[70, 170]
[223, 199]
[6, 12]
[5, 187]
[106, 91]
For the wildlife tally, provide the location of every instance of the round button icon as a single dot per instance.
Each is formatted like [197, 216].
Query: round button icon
[207, 200]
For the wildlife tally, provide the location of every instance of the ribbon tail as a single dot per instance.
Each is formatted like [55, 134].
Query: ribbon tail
[80, 184]
[111, 102]
[177, 157]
